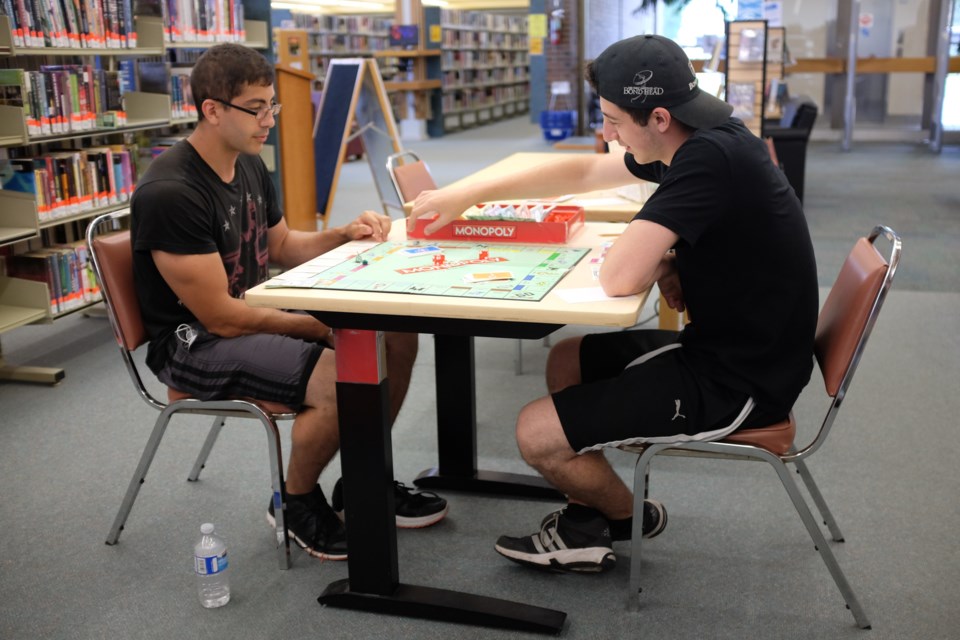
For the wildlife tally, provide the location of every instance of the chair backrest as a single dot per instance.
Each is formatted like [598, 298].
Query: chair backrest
[409, 177]
[113, 263]
[851, 309]
[112, 257]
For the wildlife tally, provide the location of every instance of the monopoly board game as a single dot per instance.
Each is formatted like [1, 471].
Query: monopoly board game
[441, 268]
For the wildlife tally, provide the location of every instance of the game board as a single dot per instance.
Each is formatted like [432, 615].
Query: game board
[444, 268]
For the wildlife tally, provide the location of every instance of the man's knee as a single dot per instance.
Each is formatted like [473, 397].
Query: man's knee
[563, 364]
[540, 436]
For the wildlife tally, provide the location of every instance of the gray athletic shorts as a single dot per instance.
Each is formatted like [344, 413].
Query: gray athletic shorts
[260, 366]
[656, 399]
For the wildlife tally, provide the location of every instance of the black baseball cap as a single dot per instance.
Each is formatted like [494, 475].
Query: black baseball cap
[649, 71]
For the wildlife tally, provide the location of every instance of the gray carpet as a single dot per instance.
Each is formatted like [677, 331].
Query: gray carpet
[734, 562]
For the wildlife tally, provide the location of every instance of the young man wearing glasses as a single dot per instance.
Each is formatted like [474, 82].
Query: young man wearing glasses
[205, 224]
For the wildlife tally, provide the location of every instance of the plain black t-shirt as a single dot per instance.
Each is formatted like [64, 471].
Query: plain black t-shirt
[182, 206]
[745, 261]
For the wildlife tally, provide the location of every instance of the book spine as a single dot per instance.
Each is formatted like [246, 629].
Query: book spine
[49, 123]
[43, 195]
[129, 172]
[77, 111]
[69, 11]
[30, 105]
[36, 32]
[52, 268]
[16, 30]
[80, 7]
[58, 31]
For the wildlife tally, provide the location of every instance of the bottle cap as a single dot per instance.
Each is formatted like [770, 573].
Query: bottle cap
[206, 528]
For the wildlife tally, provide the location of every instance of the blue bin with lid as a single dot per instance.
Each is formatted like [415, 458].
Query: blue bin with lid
[558, 125]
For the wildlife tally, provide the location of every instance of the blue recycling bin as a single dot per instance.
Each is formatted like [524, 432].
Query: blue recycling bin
[558, 125]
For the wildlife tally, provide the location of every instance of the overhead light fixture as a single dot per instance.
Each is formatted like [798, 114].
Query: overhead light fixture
[435, 3]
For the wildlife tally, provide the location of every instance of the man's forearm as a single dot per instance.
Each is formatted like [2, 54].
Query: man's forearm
[236, 318]
[301, 246]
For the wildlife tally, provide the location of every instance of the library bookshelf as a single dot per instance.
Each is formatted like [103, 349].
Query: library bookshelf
[484, 66]
[343, 36]
[63, 167]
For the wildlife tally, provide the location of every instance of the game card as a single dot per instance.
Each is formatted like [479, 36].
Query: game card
[488, 276]
[414, 252]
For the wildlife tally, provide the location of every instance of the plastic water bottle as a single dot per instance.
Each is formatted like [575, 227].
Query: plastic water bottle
[210, 565]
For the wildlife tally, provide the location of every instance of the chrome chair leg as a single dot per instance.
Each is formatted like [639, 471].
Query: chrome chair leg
[818, 500]
[146, 458]
[207, 447]
[820, 542]
[640, 476]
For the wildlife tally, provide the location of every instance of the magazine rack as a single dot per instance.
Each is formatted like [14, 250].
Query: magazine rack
[747, 71]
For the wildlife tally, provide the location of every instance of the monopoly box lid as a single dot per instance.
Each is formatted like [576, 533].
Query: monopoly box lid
[559, 223]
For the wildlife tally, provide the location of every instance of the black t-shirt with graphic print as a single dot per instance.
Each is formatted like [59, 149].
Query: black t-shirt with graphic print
[182, 206]
[745, 261]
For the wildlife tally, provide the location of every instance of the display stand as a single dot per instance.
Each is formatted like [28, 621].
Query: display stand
[354, 94]
[774, 65]
[292, 48]
[746, 74]
[296, 150]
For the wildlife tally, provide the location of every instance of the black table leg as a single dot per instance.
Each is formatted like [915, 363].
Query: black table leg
[457, 431]
[366, 458]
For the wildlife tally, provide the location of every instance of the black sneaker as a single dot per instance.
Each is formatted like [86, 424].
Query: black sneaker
[415, 509]
[654, 518]
[563, 545]
[313, 525]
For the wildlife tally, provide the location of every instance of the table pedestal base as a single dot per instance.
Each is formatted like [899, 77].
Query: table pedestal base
[495, 482]
[446, 606]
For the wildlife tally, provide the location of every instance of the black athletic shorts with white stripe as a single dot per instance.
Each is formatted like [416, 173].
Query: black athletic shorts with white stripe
[261, 366]
[637, 388]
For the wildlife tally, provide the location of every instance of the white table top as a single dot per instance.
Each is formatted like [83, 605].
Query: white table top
[552, 309]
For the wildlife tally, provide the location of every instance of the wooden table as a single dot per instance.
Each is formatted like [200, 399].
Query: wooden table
[359, 320]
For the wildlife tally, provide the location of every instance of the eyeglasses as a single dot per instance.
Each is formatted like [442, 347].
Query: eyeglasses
[260, 114]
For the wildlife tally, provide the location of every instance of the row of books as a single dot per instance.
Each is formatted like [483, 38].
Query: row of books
[204, 21]
[340, 43]
[65, 269]
[459, 100]
[341, 24]
[95, 24]
[60, 99]
[451, 59]
[455, 19]
[489, 40]
[181, 97]
[66, 183]
[484, 77]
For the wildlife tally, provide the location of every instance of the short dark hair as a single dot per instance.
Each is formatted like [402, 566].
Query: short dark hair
[222, 72]
[640, 116]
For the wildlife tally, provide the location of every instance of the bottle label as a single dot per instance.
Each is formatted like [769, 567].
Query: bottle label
[211, 565]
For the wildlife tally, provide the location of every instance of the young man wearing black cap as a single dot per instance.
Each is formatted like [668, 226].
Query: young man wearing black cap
[723, 236]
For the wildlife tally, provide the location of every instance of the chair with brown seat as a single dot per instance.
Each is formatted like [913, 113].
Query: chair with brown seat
[410, 175]
[844, 324]
[112, 257]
